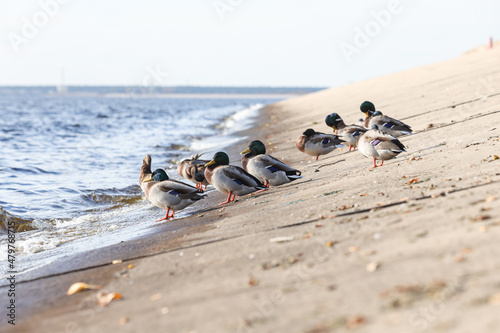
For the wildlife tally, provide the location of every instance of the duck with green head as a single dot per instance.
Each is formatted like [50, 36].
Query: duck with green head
[166, 193]
[386, 123]
[350, 133]
[379, 145]
[230, 179]
[265, 167]
[316, 143]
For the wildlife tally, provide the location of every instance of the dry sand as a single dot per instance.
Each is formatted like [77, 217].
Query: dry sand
[367, 250]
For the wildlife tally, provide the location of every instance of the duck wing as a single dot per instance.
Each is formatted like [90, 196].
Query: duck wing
[384, 141]
[386, 122]
[325, 140]
[240, 176]
[274, 165]
[182, 190]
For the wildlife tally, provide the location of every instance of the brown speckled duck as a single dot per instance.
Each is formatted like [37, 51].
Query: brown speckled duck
[193, 169]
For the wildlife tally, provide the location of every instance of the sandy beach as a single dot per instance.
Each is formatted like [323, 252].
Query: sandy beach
[408, 247]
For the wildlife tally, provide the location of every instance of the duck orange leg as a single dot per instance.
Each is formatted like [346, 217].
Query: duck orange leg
[167, 216]
[317, 157]
[229, 199]
[375, 164]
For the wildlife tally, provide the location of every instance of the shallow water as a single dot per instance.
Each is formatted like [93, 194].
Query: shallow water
[69, 165]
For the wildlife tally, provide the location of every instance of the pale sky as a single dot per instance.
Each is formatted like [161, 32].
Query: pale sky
[233, 42]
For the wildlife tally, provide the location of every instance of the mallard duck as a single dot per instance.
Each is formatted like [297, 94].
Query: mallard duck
[315, 143]
[164, 192]
[388, 124]
[230, 179]
[265, 167]
[349, 133]
[379, 145]
[193, 169]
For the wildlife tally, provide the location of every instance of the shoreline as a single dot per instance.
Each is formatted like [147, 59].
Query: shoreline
[367, 250]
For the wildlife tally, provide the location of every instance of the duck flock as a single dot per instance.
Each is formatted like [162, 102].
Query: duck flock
[374, 137]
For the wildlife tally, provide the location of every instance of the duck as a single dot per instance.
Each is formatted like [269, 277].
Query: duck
[390, 125]
[166, 193]
[349, 133]
[266, 168]
[379, 145]
[193, 169]
[230, 179]
[316, 143]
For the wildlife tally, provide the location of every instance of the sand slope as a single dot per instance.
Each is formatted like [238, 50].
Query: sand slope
[370, 251]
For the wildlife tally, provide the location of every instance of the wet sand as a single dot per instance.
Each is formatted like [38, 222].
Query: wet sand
[408, 247]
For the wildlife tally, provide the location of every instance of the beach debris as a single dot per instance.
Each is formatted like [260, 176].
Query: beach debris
[155, 297]
[104, 299]
[164, 310]
[130, 266]
[353, 249]
[118, 261]
[490, 199]
[307, 235]
[368, 253]
[411, 181]
[466, 250]
[282, 239]
[483, 229]
[79, 286]
[363, 194]
[494, 299]
[253, 281]
[251, 256]
[331, 243]
[319, 225]
[355, 321]
[373, 266]
[124, 320]
[480, 218]
[460, 258]
[271, 264]
[345, 207]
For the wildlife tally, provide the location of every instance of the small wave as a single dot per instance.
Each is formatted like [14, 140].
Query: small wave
[115, 197]
[18, 223]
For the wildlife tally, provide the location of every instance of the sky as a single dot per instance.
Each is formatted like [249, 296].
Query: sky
[322, 43]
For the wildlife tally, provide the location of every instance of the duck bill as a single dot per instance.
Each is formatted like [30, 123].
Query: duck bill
[246, 151]
[212, 162]
[147, 179]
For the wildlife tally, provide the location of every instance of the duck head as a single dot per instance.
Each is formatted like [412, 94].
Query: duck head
[220, 158]
[309, 132]
[367, 108]
[255, 147]
[158, 175]
[334, 121]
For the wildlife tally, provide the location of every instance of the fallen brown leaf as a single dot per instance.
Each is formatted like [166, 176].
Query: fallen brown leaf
[79, 286]
[480, 218]
[104, 299]
[253, 281]
[411, 181]
[355, 321]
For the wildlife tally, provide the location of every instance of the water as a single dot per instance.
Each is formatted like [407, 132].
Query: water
[69, 166]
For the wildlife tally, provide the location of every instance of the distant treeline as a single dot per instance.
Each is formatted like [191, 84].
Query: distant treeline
[156, 90]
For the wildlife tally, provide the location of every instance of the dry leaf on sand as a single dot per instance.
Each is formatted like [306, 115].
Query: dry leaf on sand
[79, 286]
